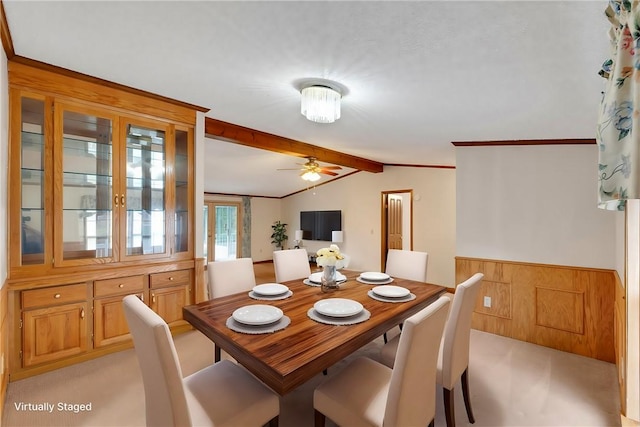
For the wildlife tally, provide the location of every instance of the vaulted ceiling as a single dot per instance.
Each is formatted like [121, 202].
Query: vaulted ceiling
[418, 75]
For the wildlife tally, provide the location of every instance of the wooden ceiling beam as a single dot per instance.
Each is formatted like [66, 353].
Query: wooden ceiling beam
[230, 132]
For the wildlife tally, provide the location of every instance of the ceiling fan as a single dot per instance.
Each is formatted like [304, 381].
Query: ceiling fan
[311, 170]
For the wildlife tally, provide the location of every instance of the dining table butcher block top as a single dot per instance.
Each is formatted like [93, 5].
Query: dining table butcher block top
[287, 358]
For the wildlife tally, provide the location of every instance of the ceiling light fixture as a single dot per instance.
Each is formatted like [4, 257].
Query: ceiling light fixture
[320, 103]
[310, 176]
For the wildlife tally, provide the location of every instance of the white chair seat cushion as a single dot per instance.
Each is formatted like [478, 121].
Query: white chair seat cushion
[355, 396]
[228, 395]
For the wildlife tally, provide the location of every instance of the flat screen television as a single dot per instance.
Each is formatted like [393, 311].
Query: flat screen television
[318, 225]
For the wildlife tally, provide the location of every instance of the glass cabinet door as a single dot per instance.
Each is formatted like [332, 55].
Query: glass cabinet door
[32, 156]
[86, 204]
[145, 222]
[181, 170]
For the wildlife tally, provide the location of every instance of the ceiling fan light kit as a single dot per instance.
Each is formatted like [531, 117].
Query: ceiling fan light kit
[310, 176]
[311, 170]
[320, 103]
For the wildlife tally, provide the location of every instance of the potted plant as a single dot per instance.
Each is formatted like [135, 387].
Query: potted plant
[279, 235]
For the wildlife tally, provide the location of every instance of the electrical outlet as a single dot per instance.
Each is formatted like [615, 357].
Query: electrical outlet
[487, 302]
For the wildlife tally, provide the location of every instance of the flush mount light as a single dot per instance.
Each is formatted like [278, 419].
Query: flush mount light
[320, 103]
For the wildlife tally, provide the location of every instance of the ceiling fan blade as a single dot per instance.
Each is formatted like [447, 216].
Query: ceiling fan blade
[292, 169]
[331, 167]
[326, 172]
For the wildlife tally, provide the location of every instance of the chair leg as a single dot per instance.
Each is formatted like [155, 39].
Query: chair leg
[217, 353]
[324, 372]
[319, 418]
[384, 336]
[449, 413]
[273, 422]
[432, 423]
[465, 394]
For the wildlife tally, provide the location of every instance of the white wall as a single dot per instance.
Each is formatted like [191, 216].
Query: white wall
[359, 198]
[534, 204]
[264, 212]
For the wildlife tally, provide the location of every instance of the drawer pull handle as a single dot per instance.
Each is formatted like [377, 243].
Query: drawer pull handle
[56, 296]
[122, 200]
[153, 298]
[115, 200]
[171, 279]
[121, 286]
[82, 314]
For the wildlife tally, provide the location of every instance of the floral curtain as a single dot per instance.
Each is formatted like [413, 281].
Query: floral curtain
[246, 226]
[618, 129]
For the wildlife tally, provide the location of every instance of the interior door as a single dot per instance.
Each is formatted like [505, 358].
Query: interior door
[394, 222]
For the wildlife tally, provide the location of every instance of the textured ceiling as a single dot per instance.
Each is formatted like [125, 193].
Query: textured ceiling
[418, 74]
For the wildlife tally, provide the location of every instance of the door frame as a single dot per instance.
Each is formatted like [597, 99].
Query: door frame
[384, 203]
[211, 226]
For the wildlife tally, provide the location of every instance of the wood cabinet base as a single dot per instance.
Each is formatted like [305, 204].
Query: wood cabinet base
[41, 369]
[76, 319]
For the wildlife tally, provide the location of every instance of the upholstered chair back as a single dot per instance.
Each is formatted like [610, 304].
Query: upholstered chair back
[411, 400]
[410, 265]
[455, 345]
[165, 401]
[291, 264]
[230, 276]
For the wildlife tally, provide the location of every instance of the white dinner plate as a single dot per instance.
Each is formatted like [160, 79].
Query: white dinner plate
[317, 277]
[338, 307]
[257, 314]
[391, 291]
[374, 276]
[270, 289]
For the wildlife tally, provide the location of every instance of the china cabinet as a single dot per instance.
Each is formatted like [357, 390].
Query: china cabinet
[100, 206]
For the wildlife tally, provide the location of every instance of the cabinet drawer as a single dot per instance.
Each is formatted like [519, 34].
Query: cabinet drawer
[54, 296]
[123, 285]
[171, 278]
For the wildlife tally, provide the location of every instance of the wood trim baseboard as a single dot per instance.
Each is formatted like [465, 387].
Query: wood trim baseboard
[587, 141]
[5, 36]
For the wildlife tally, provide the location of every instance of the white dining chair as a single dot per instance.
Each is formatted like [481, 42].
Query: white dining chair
[291, 264]
[223, 394]
[229, 277]
[369, 393]
[453, 360]
[410, 265]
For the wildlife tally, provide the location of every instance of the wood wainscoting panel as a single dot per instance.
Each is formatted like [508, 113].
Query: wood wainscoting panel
[566, 308]
[500, 294]
[559, 309]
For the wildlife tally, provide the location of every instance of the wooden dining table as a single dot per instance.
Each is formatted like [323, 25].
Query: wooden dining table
[287, 358]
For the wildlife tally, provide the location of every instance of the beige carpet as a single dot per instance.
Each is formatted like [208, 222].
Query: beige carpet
[512, 384]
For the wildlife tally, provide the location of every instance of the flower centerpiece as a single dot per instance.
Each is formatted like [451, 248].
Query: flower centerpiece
[329, 259]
